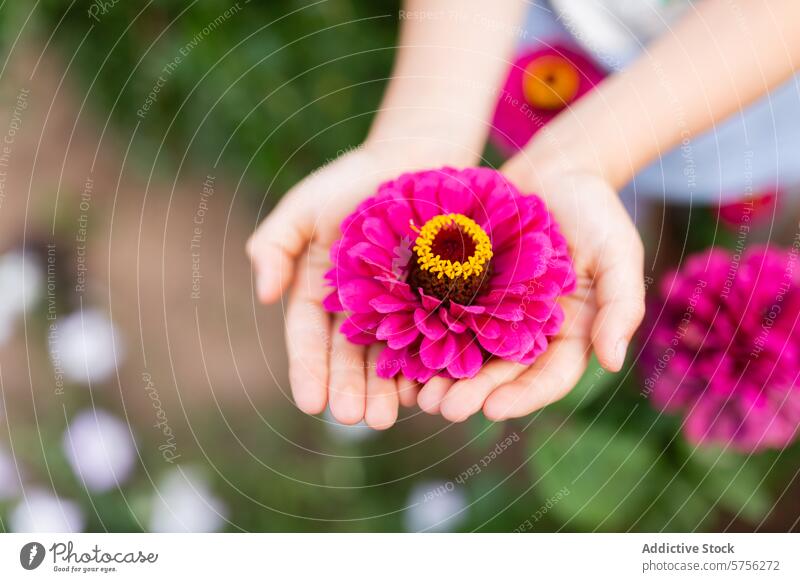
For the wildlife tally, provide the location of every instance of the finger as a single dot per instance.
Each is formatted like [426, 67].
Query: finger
[550, 378]
[466, 397]
[620, 300]
[308, 334]
[382, 399]
[348, 384]
[407, 391]
[276, 244]
[431, 395]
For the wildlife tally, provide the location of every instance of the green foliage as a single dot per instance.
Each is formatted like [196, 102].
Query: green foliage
[609, 475]
[734, 481]
[269, 92]
[677, 505]
[270, 89]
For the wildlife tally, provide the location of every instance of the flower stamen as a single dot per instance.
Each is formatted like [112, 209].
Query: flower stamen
[452, 246]
[452, 260]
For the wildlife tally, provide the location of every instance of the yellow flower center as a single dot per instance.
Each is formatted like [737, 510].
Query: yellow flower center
[550, 82]
[452, 246]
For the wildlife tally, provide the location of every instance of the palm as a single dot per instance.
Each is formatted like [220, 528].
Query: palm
[603, 311]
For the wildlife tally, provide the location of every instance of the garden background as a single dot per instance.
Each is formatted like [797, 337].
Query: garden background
[147, 140]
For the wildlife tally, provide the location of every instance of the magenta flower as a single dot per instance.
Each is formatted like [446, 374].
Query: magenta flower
[724, 347]
[759, 208]
[540, 84]
[449, 267]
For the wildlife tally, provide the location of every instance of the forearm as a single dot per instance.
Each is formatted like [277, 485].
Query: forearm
[716, 61]
[451, 59]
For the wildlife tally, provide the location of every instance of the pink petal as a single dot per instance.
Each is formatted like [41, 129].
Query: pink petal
[467, 361]
[332, 303]
[459, 310]
[414, 369]
[387, 303]
[453, 323]
[359, 328]
[453, 198]
[485, 326]
[371, 255]
[402, 216]
[428, 302]
[389, 362]
[506, 344]
[437, 354]
[524, 261]
[379, 233]
[398, 329]
[505, 307]
[425, 201]
[429, 324]
[356, 294]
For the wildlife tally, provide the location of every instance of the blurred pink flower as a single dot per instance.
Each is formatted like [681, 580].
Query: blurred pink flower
[487, 266]
[540, 84]
[758, 208]
[724, 347]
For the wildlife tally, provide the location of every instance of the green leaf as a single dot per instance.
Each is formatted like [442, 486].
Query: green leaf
[731, 480]
[678, 506]
[607, 476]
[484, 432]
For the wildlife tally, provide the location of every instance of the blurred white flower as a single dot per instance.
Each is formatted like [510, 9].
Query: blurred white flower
[347, 432]
[42, 512]
[86, 346]
[21, 283]
[435, 506]
[100, 449]
[9, 476]
[184, 503]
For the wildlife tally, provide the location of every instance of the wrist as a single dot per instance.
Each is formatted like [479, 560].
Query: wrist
[544, 171]
[553, 154]
[424, 145]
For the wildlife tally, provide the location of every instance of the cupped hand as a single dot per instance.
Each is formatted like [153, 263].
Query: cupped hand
[291, 248]
[602, 314]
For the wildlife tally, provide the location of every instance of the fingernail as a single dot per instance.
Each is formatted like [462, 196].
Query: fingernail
[622, 348]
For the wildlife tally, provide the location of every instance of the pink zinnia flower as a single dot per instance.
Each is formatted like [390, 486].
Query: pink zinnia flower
[757, 209]
[449, 267]
[540, 84]
[725, 348]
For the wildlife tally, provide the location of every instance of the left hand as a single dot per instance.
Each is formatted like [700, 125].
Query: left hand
[602, 314]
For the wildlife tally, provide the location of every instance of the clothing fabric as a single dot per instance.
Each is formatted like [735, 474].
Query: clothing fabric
[754, 150]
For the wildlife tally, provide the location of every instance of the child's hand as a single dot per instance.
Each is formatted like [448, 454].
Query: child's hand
[433, 113]
[292, 244]
[602, 313]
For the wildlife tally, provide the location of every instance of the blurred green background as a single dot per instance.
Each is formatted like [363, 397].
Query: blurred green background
[269, 92]
[277, 89]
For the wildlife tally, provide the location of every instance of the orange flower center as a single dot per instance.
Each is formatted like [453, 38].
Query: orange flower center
[550, 82]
